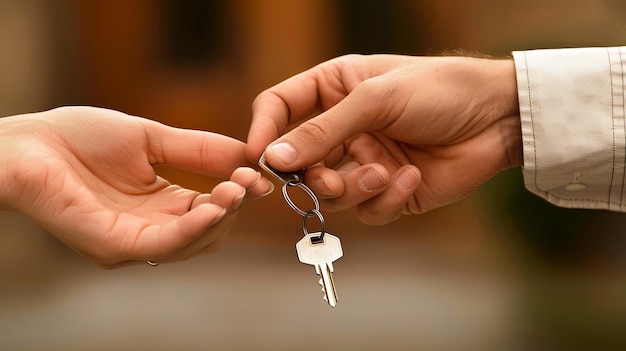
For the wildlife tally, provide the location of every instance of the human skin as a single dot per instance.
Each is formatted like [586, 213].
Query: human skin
[391, 134]
[85, 174]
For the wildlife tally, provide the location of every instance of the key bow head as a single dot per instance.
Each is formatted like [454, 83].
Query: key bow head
[327, 251]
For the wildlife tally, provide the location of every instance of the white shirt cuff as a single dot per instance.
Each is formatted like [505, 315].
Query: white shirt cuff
[572, 114]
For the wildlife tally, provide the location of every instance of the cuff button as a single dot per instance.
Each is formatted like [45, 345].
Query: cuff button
[575, 186]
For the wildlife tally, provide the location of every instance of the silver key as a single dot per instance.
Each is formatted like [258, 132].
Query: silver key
[321, 254]
[285, 177]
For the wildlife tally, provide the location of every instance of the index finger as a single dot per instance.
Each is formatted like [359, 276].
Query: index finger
[199, 151]
[293, 100]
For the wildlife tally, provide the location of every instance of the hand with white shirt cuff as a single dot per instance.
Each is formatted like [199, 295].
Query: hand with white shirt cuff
[392, 134]
[573, 125]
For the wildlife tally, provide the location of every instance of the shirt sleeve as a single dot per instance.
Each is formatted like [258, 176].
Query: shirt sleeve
[573, 131]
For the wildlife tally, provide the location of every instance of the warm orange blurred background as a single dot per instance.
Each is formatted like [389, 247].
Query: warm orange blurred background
[501, 270]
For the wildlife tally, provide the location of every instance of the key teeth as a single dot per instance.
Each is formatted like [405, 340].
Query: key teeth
[323, 290]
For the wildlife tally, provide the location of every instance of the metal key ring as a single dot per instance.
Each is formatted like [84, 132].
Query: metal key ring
[292, 204]
[312, 213]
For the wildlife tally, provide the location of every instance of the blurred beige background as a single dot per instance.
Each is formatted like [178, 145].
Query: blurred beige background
[500, 270]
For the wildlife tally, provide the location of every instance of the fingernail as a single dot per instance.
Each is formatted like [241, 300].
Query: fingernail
[271, 189]
[372, 180]
[285, 152]
[238, 200]
[407, 179]
[322, 188]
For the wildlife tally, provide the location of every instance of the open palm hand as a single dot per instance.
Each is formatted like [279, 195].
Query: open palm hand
[85, 174]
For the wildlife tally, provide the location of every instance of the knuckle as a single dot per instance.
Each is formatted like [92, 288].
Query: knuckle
[349, 57]
[375, 150]
[265, 94]
[382, 94]
[315, 130]
[342, 61]
[369, 88]
[390, 92]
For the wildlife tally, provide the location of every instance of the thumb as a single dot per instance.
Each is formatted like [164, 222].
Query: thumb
[313, 140]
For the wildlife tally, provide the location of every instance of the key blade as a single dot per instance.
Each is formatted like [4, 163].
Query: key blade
[327, 283]
[321, 255]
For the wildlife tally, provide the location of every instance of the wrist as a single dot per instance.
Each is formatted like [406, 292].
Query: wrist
[5, 166]
[506, 108]
[13, 146]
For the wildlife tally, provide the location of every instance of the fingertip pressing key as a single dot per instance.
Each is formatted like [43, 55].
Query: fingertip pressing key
[284, 152]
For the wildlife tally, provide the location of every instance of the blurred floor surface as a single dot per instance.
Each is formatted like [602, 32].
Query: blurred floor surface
[394, 294]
